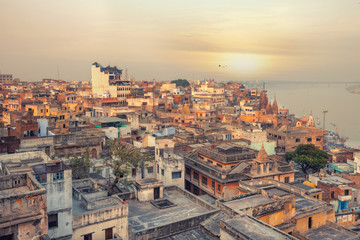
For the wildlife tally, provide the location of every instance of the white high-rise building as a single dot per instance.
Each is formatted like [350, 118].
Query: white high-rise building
[107, 82]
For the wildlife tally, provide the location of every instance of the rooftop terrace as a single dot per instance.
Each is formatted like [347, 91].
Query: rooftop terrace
[248, 202]
[330, 231]
[144, 215]
[253, 229]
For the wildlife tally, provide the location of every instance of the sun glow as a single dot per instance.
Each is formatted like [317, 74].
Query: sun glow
[244, 63]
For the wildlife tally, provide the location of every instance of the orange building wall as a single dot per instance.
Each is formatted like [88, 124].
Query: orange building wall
[318, 220]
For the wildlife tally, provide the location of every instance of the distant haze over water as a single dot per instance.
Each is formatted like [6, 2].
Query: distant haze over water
[303, 98]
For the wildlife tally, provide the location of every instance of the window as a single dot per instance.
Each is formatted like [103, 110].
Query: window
[158, 168]
[150, 169]
[88, 236]
[176, 175]
[287, 179]
[196, 176]
[332, 195]
[108, 233]
[318, 139]
[219, 165]
[31, 202]
[162, 172]
[188, 171]
[133, 172]
[310, 222]
[346, 192]
[53, 220]
[204, 180]
[41, 177]
[309, 139]
[297, 140]
[219, 187]
[58, 175]
[213, 184]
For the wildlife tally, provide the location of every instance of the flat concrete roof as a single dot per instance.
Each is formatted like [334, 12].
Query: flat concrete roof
[255, 230]
[248, 202]
[144, 215]
[301, 203]
[146, 181]
[77, 209]
[306, 187]
[192, 234]
[277, 191]
[334, 179]
[327, 232]
[11, 192]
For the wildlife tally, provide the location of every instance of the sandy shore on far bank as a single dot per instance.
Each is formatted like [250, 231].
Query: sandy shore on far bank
[354, 89]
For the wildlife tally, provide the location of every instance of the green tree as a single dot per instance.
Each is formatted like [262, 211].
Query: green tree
[81, 165]
[181, 82]
[122, 158]
[307, 156]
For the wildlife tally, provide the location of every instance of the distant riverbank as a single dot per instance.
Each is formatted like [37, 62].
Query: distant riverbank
[305, 98]
[354, 89]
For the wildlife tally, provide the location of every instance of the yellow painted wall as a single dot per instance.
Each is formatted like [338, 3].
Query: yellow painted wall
[318, 220]
[279, 217]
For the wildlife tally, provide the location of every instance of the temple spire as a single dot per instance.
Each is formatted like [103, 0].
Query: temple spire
[262, 155]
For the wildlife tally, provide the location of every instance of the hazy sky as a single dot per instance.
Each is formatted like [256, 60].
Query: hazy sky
[309, 40]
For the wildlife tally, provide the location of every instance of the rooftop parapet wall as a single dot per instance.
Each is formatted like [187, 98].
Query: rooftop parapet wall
[189, 211]
[43, 141]
[25, 157]
[287, 187]
[100, 215]
[192, 197]
[14, 181]
[99, 203]
[226, 158]
[304, 211]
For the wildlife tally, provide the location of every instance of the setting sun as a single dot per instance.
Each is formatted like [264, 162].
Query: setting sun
[244, 63]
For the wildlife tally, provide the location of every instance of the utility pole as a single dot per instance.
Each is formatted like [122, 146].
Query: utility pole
[324, 112]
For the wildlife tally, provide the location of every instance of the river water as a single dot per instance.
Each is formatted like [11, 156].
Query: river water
[302, 98]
